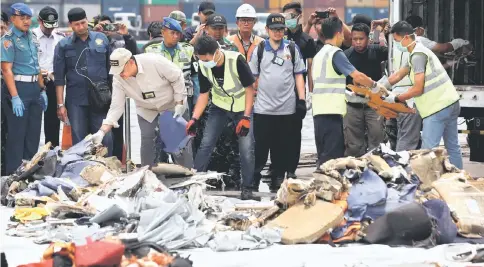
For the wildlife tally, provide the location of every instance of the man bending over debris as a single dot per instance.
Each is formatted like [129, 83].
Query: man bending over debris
[156, 84]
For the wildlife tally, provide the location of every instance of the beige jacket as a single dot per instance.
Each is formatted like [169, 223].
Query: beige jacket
[155, 74]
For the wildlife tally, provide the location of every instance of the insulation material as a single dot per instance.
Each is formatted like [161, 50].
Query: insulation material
[300, 226]
[465, 201]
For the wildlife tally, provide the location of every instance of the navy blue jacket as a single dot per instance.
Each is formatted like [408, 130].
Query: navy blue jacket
[94, 63]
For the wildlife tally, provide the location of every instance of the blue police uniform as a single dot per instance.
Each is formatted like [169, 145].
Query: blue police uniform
[73, 57]
[20, 49]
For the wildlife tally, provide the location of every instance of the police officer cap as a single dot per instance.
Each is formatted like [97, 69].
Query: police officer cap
[171, 24]
[20, 9]
[49, 17]
[76, 14]
[155, 29]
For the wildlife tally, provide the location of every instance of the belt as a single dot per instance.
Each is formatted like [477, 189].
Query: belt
[26, 78]
[357, 105]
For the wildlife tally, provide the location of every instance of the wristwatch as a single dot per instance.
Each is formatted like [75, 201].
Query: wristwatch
[59, 106]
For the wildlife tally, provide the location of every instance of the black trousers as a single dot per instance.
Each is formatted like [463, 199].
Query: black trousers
[118, 140]
[272, 132]
[294, 143]
[51, 122]
[329, 137]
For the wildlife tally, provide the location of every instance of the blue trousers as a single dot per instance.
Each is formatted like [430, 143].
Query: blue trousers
[443, 125]
[216, 122]
[85, 121]
[23, 135]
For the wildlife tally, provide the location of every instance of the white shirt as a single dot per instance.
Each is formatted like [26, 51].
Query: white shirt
[426, 42]
[47, 47]
[156, 75]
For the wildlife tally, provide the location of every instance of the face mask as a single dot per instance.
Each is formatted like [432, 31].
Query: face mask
[210, 64]
[400, 47]
[291, 23]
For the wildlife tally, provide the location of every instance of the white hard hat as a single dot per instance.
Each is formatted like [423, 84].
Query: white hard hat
[245, 11]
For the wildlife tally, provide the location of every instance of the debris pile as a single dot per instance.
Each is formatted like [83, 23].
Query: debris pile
[64, 198]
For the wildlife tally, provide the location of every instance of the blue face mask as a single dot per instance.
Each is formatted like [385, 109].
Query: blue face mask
[210, 64]
[400, 47]
[291, 23]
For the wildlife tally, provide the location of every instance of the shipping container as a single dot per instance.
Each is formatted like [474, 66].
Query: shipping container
[160, 2]
[110, 7]
[328, 3]
[281, 3]
[380, 13]
[381, 3]
[227, 9]
[352, 11]
[156, 13]
[359, 3]
[307, 11]
[259, 5]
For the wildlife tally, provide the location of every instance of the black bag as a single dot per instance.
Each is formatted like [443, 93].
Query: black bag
[99, 92]
[100, 96]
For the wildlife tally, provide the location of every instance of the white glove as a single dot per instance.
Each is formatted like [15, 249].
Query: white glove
[97, 138]
[309, 101]
[384, 81]
[458, 43]
[390, 98]
[179, 110]
[50, 76]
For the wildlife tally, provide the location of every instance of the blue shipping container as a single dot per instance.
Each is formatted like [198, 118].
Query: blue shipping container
[225, 8]
[374, 13]
[380, 13]
[109, 7]
[352, 11]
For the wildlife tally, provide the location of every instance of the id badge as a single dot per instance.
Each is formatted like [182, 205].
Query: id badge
[278, 61]
[148, 95]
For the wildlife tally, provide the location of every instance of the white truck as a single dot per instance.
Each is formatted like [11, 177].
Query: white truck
[445, 20]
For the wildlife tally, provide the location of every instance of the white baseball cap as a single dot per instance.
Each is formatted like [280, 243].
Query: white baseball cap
[118, 59]
[245, 11]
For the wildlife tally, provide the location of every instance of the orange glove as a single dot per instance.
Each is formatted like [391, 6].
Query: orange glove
[191, 127]
[243, 126]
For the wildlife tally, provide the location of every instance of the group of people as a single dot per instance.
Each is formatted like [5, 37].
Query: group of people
[244, 97]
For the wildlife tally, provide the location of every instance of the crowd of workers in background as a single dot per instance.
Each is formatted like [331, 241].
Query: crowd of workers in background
[244, 97]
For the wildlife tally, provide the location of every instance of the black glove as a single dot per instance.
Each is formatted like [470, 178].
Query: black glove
[301, 108]
[192, 126]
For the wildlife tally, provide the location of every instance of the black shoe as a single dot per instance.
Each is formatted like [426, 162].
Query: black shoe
[291, 175]
[276, 183]
[246, 193]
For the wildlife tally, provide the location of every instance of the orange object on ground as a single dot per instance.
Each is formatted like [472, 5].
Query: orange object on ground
[66, 137]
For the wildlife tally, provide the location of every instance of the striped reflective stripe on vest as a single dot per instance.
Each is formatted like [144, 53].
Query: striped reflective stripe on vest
[436, 78]
[328, 84]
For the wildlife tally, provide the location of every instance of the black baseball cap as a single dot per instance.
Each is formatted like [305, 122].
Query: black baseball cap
[49, 17]
[361, 18]
[276, 20]
[206, 8]
[216, 20]
[4, 17]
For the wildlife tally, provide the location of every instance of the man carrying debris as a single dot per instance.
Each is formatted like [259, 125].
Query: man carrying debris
[156, 85]
[330, 69]
[230, 78]
[410, 124]
[435, 96]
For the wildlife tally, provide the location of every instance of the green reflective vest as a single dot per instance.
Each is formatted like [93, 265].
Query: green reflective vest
[439, 92]
[230, 96]
[329, 86]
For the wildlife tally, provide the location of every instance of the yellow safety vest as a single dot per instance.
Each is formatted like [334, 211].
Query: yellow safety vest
[400, 57]
[231, 96]
[439, 92]
[153, 48]
[329, 86]
[182, 57]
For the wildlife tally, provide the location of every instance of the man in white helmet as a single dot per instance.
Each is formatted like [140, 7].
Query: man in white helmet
[244, 40]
